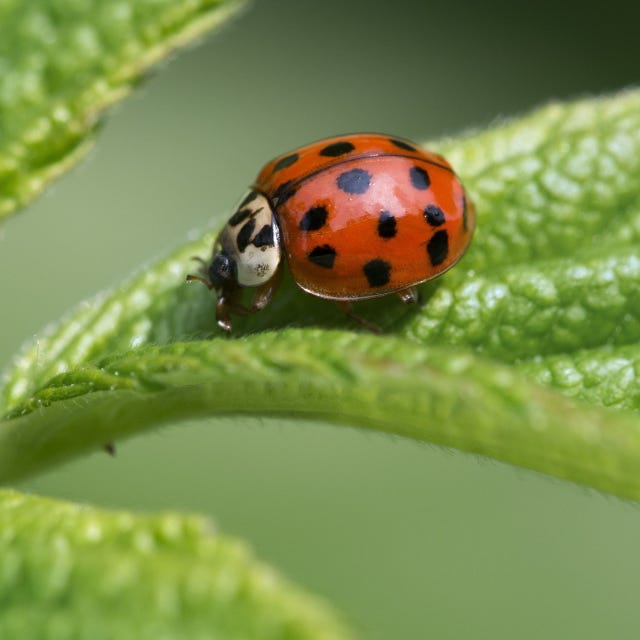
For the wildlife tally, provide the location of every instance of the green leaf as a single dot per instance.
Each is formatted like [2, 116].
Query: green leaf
[101, 574]
[606, 376]
[546, 294]
[385, 384]
[62, 62]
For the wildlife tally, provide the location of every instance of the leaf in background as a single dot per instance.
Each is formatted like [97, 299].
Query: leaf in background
[62, 62]
[70, 571]
[548, 290]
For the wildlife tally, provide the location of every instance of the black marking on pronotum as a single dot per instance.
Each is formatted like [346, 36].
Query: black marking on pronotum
[252, 195]
[264, 237]
[354, 181]
[284, 192]
[323, 255]
[401, 144]
[239, 216]
[419, 178]
[337, 149]
[434, 215]
[313, 219]
[387, 225]
[244, 235]
[438, 247]
[377, 272]
[285, 162]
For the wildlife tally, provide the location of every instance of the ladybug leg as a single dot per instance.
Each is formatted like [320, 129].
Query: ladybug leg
[230, 302]
[347, 308]
[265, 291]
[409, 295]
[261, 298]
[223, 314]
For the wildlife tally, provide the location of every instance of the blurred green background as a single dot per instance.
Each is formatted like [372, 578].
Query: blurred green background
[410, 541]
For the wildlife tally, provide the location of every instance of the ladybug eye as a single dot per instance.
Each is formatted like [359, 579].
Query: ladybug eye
[222, 270]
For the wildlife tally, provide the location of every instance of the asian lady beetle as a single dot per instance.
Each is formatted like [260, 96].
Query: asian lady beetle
[357, 216]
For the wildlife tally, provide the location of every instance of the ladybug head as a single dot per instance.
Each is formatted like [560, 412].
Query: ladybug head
[223, 271]
[247, 252]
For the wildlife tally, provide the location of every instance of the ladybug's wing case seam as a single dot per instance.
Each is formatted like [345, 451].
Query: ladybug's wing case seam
[286, 171]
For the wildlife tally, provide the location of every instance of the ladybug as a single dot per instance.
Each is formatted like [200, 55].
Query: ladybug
[356, 217]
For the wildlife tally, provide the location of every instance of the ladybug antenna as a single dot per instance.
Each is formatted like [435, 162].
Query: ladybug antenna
[203, 274]
[202, 262]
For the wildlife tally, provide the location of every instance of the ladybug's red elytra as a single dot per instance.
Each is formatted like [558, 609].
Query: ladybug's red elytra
[357, 216]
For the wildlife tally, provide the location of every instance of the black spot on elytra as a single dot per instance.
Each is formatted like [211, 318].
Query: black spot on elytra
[434, 215]
[337, 149]
[419, 178]
[239, 216]
[401, 144]
[323, 256]
[264, 237]
[283, 193]
[285, 162]
[378, 272]
[387, 225]
[313, 219]
[244, 235]
[438, 247]
[354, 182]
